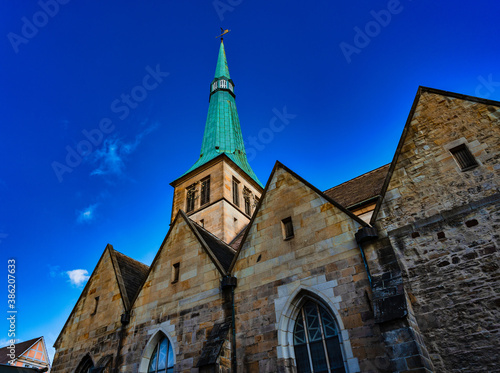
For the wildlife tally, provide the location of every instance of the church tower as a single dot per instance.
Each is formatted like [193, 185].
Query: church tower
[220, 191]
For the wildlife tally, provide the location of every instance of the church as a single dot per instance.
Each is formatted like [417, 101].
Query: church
[396, 270]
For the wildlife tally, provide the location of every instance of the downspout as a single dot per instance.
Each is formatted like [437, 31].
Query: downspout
[363, 235]
[230, 282]
[125, 319]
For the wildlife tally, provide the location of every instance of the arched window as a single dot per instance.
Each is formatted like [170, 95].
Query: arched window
[86, 365]
[316, 341]
[162, 360]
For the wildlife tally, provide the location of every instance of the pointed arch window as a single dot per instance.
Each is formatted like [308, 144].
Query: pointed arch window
[316, 341]
[162, 360]
[86, 365]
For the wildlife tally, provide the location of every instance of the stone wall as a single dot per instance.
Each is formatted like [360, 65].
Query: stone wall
[322, 262]
[443, 224]
[86, 332]
[184, 311]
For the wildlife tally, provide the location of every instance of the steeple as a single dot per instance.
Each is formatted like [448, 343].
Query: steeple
[222, 129]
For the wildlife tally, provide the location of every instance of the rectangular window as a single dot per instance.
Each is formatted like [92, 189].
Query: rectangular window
[287, 228]
[190, 198]
[175, 272]
[464, 157]
[205, 191]
[236, 194]
[247, 195]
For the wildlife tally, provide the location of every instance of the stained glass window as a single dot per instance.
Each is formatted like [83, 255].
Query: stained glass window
[316, 341]
[162, 360]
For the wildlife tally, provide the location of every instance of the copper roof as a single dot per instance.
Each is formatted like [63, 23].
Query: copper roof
[359, 189]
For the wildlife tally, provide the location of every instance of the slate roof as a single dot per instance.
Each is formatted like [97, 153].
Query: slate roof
[222, 251]
[214, 344]
[359, 189]
[20, 349]
[236, 242]
[133, 273]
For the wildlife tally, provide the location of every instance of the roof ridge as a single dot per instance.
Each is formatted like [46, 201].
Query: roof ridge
[129, 257]
[357, 177]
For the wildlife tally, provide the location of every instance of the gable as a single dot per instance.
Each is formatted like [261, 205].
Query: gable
[198, 277]
[424, 177]
[37, 353]
[99, 306]
[323, 231]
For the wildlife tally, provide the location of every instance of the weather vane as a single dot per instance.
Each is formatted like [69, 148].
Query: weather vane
[224, 32]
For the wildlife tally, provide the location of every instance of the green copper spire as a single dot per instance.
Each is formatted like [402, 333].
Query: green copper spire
[222, 69]
[222, 129]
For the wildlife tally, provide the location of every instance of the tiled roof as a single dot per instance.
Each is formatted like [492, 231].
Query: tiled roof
[20, 349]
[359, 189]
[236, 242]
[133, 273]
[214, 344]
[220, 249]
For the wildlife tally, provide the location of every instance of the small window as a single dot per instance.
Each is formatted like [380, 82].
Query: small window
[191, 196]
[205, 191]
[236, 193]
[247, 195]
[175, 272]
[214, 86]
[230, 87]
[464, 157]
[222, 84]
[95, 306]
[287, 228]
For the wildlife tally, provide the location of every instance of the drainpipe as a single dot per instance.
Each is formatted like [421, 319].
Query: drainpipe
[363, 235]
[230, 282]
[125, 319]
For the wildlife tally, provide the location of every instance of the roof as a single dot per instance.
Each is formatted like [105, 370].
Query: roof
[222, 251]
[14, 369]
[215, 341]
[133, 273]
[236, 242]
[21, 348]
[360, 189]
[222, 129]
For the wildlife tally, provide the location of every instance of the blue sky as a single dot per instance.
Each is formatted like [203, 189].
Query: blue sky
[340, 77]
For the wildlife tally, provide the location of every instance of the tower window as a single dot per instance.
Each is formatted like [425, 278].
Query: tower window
[464, 157]
[222, 84]
[214, 86]
[175, 272]
[236, 194]
[287, 228]
[191, 196]
[316, 341]
[205, 191]
[246, 197]
[230, 87]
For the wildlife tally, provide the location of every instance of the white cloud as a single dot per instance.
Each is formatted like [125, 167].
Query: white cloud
[87, 214]
[111, 157]
[77, 277]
